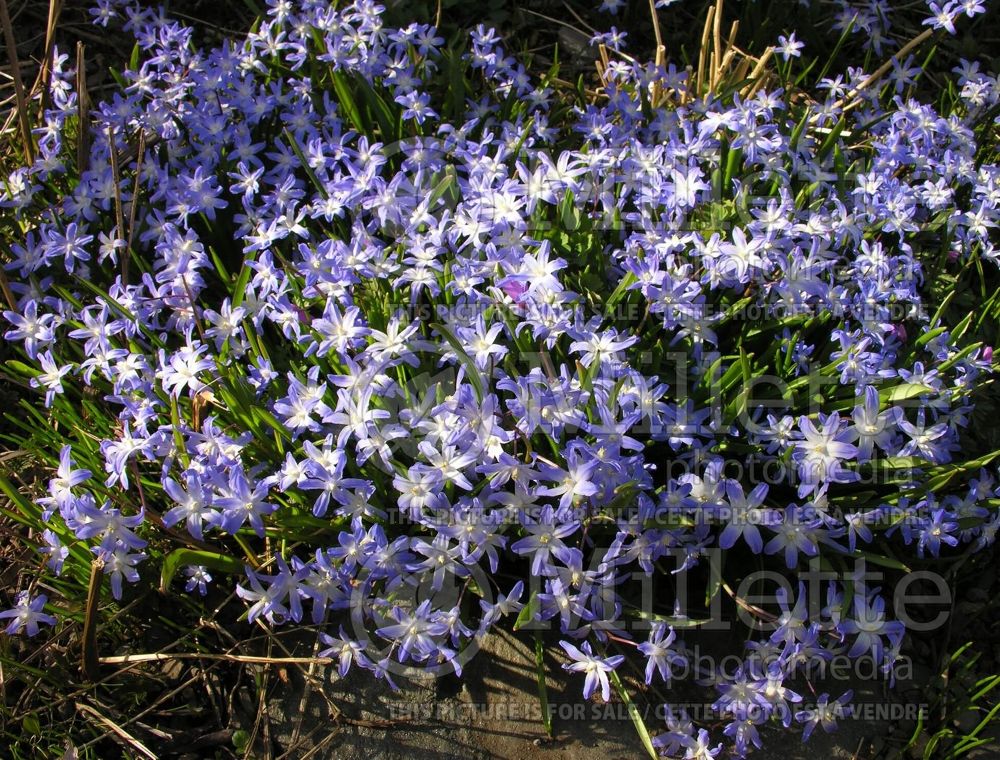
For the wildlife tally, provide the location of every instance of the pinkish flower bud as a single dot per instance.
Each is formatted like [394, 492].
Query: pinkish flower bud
[302, 314]
[514, 288]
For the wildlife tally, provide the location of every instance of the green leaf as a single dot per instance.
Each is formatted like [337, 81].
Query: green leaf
[472, 371]
[20, 368]
[543, 692]
[881, 559]
[831, 138]
[29, 511]
[273, 422]
[713, 372]
[133, 61]
[376, 105]
[902, 463]
[944, 475]
[241, 741]
[456, 80]
[525, 132]
[730, 376]
[739, 404]
[670, 620]
[214, 560]
[449, 180]
[239, 291]
[304, 163]
[345, 99]
[930, 335]
[733, 159]
[175, 424]
[903, 392]
[31, 725]
[633, 713]
[528, 613]
[959, 330]
[836, 48]
[797, 132]
[947, 364]
[19, 664]
[619, 292]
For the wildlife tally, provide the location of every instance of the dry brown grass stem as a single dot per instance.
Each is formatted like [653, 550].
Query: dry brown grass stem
[19, 96]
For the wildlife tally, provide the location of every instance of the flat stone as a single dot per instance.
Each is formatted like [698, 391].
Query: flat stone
[493, 711]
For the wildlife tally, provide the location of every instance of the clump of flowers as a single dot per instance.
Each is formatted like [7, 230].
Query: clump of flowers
[350, 316]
